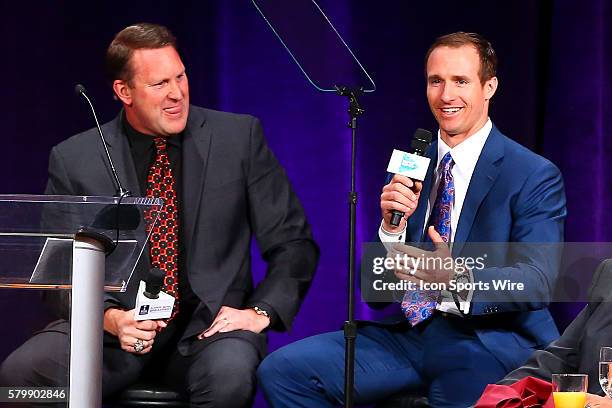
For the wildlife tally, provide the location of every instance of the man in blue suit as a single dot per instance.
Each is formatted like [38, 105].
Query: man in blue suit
[481, 187]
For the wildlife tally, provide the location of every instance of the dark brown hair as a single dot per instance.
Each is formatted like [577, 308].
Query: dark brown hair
[488, 58]
[134, 37]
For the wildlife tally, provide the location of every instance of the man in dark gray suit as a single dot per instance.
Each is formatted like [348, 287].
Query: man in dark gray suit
[221, 185]
[577, 350]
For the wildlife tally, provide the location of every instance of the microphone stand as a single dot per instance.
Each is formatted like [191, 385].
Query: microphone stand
[350, 327]
[120, 192]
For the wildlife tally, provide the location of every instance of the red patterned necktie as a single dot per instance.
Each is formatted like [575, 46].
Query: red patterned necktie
[164, 239]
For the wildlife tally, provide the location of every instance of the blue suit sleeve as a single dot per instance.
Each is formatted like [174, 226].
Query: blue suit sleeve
[538, 216]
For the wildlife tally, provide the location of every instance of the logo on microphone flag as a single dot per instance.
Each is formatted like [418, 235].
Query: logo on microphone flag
[408, 164]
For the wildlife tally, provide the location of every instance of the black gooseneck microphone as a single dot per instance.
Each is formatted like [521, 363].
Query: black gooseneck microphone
[420, 142]
[120, 192]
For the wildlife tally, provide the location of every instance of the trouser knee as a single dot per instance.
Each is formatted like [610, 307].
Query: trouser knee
[235, 392]
[270, 371]
[31, 370]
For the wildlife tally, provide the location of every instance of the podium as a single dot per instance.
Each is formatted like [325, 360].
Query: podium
[82, 246]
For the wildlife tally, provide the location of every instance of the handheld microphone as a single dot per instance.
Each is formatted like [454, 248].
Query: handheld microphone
[151, 302]
[154, 283]
[413, 165]
[120, 192]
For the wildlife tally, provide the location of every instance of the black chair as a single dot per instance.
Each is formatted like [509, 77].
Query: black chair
[150, 394]
[147, 394]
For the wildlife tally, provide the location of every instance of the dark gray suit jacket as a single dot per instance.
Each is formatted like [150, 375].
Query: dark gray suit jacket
[577, 350]
[233, 189]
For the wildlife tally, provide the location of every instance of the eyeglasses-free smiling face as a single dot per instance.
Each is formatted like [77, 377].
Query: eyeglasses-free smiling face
[456, 97]
[156, 98]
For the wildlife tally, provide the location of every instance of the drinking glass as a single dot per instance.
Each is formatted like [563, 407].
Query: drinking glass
[569, 390]
[605, 370]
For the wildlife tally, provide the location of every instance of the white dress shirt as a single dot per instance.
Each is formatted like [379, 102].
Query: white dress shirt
[465, 156]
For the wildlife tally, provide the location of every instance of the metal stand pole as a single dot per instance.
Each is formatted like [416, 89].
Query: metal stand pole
[350, 327]
[86, 329]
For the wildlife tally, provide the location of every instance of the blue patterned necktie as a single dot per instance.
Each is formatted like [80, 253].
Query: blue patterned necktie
[418, 305]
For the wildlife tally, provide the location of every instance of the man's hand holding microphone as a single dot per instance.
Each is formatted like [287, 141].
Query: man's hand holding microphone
[134, 336]
[400, 197]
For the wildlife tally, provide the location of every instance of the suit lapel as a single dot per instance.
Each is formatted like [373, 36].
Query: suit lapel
[119, 149]
[196, 146]
[417, 220]
[485, 173]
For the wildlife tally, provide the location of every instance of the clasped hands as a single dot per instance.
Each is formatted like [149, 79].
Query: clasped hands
[138, 337]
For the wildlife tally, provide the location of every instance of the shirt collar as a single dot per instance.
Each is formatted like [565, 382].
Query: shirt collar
[144, 142]
[466, 154]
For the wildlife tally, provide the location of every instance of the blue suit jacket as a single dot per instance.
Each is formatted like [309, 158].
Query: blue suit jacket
[514, 195]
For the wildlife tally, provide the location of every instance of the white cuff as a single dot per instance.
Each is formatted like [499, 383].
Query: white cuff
[465, 306]
[390, 238]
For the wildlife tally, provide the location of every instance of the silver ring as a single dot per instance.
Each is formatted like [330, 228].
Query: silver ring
[138, 346]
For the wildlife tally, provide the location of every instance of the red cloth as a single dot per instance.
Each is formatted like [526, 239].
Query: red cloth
[529, 392]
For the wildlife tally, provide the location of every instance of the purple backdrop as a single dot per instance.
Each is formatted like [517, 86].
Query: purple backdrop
[552, 98]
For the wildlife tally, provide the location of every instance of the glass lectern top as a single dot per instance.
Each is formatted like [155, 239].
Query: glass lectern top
[37, 234]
